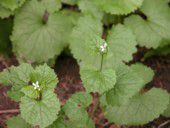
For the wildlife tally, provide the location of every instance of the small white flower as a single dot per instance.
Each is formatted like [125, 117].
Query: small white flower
[103, 47]
[36, 86]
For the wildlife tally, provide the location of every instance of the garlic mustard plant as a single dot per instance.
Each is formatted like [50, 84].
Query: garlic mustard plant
[102, 35]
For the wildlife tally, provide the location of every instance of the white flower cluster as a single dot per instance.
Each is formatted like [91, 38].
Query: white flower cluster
[103, 47]
[36, 86]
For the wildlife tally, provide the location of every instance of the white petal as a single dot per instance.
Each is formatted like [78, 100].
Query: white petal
[37, 83]
[33, 84]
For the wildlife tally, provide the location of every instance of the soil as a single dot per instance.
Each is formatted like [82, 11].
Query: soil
[67, 70]
[7, 107]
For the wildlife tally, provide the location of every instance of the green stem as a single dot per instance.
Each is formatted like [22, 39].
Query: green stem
[101, 66]
[40, 97]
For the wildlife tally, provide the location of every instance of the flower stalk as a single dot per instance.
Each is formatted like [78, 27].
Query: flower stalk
[103, 50]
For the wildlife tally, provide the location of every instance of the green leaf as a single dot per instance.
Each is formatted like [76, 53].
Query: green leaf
[42, 112]
[98, 81]
[122, 43]
[109, 19]
[12, 4]
[164, 43]
[52, 5]
[156, 27]
[160, 51]
[17, 122]
[30, 92]
[141, 109]
[79, 100]
[75, 109]
[4, 77]
[4, 12]
[82, 42]
[15, 95]
[128, 83]
[45, 76]
[167, 111]
[70, 19]
[59, 123]
[71, 2]
[37, 41]
[88, 124]
[119, 6]
[72, 16]
[88, 7]
[5, 31]
[18, 77]
[143, 72]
